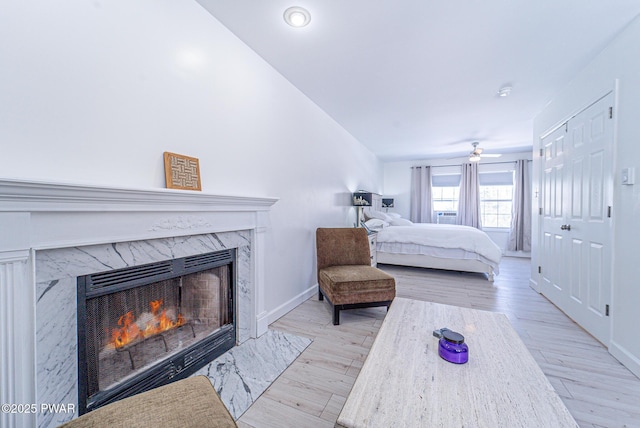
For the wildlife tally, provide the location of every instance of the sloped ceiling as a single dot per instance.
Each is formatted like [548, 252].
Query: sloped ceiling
[417, 79]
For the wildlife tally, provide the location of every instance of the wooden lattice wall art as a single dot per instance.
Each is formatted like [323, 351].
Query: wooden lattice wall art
[181, 172]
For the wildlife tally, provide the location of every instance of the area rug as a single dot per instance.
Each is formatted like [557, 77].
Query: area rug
[242, 374]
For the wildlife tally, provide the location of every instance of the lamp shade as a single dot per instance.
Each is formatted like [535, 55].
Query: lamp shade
[362, 199]
[387, 202]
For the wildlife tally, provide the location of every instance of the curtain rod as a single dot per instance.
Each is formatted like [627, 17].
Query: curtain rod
[485, 163]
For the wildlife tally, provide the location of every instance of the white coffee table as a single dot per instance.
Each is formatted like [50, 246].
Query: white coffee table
[404, 382]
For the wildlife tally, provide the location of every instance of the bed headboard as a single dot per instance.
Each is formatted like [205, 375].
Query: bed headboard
[376, 202]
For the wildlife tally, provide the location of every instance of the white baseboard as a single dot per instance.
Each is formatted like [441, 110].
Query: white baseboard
[522, 254]
[262, 323]
[291, 304]
[627, 359]
[534, 284]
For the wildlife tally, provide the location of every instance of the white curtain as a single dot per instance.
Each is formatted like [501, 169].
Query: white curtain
[421, 194]
[520, 233]
[469, 202]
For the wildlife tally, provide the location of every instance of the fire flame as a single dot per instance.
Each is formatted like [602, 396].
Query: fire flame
[130, 329]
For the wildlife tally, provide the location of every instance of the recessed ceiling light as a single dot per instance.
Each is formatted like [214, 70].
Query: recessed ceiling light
[297, 16]
[504, 91]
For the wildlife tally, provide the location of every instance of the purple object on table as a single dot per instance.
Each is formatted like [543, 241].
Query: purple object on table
[452, 347]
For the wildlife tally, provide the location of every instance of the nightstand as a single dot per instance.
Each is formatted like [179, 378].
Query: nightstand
[373, 239]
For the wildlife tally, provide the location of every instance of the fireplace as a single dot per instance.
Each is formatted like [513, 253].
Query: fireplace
[57, 232]
[144, 326]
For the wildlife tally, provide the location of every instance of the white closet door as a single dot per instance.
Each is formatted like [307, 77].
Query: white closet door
[576, 224]
[553, 245]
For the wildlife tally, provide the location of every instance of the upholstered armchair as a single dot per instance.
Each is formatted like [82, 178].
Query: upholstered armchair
[345, 275]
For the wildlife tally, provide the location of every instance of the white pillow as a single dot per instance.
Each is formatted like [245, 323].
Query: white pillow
[376, 224]
[376, 214]
[400, 222]
[394, 215]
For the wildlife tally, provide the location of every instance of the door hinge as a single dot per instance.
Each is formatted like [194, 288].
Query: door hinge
[610, 112]
[541, 152]
[539, 269]
[609, 211]
[540, 211]
[606, 310]
[566, 127]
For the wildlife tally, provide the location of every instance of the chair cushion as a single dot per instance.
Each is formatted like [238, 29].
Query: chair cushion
[191, 402]
[356, 284]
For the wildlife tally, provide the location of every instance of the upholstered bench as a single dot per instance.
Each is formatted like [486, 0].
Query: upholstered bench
[345, 275]
[187, 403]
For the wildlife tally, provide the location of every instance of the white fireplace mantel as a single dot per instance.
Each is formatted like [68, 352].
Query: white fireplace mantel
[42, 216]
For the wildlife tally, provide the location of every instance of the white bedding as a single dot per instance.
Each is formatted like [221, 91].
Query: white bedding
[440, 240]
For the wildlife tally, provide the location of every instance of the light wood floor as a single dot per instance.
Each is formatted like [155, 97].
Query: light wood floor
[596, 388]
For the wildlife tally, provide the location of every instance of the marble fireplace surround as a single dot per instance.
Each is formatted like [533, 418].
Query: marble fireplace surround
[53, 232]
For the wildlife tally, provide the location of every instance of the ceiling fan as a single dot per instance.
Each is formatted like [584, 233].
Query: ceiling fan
[475, 154]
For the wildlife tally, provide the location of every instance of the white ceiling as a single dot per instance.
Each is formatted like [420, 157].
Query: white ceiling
[415, 79]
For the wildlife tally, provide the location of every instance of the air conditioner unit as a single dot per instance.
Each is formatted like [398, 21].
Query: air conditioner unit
[446, 217]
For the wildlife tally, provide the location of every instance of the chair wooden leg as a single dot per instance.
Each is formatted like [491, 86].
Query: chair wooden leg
[336, 315]
[320, 295]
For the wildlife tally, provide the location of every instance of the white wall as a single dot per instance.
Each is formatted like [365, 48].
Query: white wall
[93, 92]
[397, 185]
[619, 61]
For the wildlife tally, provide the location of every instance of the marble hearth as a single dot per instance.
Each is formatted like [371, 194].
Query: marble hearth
[52, 233]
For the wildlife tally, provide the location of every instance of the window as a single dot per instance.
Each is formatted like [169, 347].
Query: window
[496, 196]
[445, 192]
[445, 198]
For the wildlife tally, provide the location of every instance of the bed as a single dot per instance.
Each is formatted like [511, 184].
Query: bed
[434, 246]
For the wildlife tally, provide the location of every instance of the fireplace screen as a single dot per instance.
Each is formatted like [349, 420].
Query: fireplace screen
[146, 325]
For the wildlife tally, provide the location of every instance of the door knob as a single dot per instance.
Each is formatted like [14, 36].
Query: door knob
[565, 227]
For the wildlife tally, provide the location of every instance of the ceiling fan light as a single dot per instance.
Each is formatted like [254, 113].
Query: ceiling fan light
[297, 16]
[504, 91]
[474, 157]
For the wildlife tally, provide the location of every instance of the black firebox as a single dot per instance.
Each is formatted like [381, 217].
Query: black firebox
[145, 326]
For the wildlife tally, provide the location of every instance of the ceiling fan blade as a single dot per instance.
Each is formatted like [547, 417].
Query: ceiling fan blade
[491, 155]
